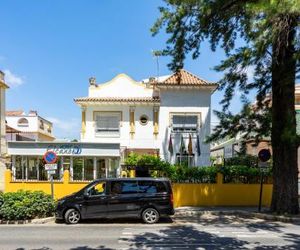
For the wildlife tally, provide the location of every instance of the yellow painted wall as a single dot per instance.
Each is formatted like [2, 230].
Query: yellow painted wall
[61, 188]
[220, 194]
[185, 194]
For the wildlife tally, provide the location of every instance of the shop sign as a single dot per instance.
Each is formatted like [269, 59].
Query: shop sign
[50, 167]
[66, 149]
[51, 172]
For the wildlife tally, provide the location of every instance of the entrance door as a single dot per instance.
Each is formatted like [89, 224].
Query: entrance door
[95, 204]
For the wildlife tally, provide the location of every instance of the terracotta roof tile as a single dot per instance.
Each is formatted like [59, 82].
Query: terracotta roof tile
[117, 99]
[183, 77]
[14, 113]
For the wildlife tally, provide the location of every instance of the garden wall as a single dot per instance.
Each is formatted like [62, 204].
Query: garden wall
[185, 194]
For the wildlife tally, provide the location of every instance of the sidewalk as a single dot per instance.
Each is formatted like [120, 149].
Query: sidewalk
[197, 212]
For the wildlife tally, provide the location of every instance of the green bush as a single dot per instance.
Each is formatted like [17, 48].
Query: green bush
[243, 174]
[243, 160]
[22, 205]
[152, 161]
[190, 174]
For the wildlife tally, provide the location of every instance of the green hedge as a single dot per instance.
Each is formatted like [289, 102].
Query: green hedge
[241, 169]
[245, 174]
[22, 205]
[242, 160]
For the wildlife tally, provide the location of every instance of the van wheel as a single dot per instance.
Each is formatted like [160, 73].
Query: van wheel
[72, 216]
[150, 216]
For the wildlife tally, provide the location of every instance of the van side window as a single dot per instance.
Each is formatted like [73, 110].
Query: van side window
[130, 187]
[124, 187]
[97, 189]
[151, 187]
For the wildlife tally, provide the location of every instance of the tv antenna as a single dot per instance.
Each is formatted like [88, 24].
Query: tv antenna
[156, 54]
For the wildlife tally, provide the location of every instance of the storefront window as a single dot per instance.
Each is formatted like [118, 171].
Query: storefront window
[100, 168]
[43, 176]
[19, 168]
[88, 169]
[32, 168]
[113, 165]
[59, 172]
[78, 168]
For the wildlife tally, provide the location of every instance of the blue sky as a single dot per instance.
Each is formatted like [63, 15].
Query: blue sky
[49, 49]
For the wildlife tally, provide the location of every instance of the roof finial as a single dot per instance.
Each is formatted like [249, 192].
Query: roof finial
[92, 81]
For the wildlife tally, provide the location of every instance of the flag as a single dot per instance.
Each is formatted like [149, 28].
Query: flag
[190, 146]
[198, 146]
[170, 148]
[182, 146]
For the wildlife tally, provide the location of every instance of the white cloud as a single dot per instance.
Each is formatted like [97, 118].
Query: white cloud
[68, 128]
[13, 80]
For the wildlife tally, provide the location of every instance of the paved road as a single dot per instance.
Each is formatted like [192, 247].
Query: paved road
[210, 232]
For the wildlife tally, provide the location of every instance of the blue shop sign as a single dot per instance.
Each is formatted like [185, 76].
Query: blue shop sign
[66, 149]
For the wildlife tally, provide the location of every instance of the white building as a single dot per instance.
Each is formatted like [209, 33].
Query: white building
[26, 127]
[170, 117]
[3, 149]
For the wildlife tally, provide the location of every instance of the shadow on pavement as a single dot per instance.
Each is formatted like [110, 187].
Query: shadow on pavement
[183, 237]
[237, 221]
[163, 220]
[188, 237]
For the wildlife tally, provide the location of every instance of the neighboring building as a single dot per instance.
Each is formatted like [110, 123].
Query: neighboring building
[28, 127]
[231, 147]
[3, 149]
[169, 118]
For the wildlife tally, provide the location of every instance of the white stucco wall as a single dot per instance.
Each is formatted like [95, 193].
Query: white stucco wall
[33, 127]
[12, 121]
[189, 101]
[143, 137]
[120, 86]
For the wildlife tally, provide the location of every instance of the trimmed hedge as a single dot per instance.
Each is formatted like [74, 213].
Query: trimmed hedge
[23, 205]
[245, 174]
[241, 169]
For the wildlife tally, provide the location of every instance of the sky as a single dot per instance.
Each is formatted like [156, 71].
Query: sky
[50, 48]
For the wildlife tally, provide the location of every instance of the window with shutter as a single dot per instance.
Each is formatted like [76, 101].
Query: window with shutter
[107, 123]
[185, 122]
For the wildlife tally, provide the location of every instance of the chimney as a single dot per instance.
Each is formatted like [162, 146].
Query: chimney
[92, 81]
[32, 113]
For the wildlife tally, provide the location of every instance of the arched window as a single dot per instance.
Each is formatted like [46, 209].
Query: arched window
[23, 122]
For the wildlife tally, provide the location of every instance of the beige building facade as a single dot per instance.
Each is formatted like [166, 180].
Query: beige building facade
[3, 148]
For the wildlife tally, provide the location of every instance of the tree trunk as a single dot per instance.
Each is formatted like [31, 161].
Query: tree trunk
[284, 137]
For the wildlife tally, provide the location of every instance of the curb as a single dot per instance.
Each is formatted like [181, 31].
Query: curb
[33, 221]
[264, 216]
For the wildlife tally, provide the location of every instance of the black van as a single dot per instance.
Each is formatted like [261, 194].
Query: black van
[146, 198]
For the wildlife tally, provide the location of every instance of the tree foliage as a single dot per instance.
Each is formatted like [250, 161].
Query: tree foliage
[260, 36]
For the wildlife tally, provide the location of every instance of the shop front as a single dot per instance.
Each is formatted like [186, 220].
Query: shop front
[84, 161]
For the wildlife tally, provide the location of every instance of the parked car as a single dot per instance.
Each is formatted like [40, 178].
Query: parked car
[145, 198]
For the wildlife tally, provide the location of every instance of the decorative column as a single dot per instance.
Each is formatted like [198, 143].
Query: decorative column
[131, 121]
[83, 122]
[155, 120]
